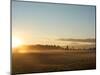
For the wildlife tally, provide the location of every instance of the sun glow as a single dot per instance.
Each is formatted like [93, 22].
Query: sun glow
[16, 42]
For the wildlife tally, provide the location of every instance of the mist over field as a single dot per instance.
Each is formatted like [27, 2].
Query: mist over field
[45, 58]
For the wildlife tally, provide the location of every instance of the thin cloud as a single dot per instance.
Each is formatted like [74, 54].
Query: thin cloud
[78, 40]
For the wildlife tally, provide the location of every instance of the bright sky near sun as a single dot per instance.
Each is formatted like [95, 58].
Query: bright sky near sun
[34, 22]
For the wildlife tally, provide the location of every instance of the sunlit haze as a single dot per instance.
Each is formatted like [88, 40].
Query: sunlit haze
[38, 23]
[16, 42]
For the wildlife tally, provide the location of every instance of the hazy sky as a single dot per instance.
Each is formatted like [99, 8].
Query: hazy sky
[39, 21]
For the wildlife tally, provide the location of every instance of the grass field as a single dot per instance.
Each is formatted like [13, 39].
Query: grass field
[53, 61]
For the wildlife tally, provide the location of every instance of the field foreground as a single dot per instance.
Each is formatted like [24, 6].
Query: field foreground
[52, 61]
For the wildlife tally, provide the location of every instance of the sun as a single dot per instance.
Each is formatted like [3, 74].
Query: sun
[16, 42]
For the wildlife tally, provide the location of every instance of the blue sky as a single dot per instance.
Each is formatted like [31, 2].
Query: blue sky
[35, 21]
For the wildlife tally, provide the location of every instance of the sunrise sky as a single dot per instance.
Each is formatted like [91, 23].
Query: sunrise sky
[44, 23]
